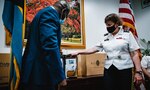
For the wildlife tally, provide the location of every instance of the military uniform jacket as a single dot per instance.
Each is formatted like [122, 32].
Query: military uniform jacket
[41, 59]
[118, 49]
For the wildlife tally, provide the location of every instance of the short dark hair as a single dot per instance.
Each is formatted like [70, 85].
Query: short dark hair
[114, 18]
[62, 4]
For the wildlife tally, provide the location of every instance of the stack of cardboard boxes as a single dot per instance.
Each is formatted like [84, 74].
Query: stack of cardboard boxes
[88, 65]
[82, 65]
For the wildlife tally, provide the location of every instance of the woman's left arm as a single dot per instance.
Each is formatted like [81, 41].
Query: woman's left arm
[136, 60]
[138, 70]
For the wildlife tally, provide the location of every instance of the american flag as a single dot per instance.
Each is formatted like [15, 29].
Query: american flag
[126, 13]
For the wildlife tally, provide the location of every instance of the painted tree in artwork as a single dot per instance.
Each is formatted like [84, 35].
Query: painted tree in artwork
[71, 27]
[33, 6]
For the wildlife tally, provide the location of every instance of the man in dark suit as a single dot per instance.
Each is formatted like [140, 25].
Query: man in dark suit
[42, 68]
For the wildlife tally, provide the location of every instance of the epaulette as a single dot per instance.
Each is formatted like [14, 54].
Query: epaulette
[127, 31]
[106, 39]
[106, 34]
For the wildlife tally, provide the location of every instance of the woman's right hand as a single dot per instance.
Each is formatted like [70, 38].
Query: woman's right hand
[74, 54]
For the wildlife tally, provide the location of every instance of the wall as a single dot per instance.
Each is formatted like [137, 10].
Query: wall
[95, 12]
[142, 17]
[3, 47]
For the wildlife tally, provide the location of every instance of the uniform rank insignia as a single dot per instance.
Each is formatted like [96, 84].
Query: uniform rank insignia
[106, 34]
[119, 38]
[106, 39]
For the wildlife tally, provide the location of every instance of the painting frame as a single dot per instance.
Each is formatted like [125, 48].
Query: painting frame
[145, 3]
[65, 45]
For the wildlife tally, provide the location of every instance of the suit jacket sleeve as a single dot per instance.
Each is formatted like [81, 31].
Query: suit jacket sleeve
[49, 43]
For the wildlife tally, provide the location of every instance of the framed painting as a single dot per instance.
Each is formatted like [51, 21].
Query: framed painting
[145, 3]
[73, 29]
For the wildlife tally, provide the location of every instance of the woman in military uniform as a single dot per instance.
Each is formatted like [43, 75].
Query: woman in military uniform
[122, 55]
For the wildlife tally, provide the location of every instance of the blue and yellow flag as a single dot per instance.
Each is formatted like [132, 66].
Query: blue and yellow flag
[13, 19]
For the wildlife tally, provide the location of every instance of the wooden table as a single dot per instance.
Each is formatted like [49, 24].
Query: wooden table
[84, 83]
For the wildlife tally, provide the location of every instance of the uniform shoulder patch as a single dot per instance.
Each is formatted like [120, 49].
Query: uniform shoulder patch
[106, 34]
